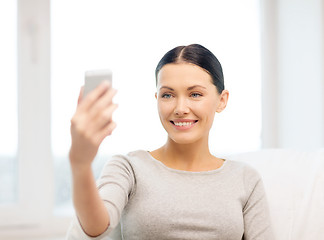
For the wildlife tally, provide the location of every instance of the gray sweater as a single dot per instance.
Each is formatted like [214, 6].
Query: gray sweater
[154, 202]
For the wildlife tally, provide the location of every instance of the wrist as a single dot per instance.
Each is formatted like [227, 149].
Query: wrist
[78, 162]
[81, 173]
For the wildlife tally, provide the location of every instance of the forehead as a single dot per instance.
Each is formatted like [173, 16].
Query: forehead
[183, 74]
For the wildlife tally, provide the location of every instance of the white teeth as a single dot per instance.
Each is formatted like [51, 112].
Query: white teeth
[182, 123]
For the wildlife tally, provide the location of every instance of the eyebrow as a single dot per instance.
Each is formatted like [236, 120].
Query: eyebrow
[189, 88]
[192, 87]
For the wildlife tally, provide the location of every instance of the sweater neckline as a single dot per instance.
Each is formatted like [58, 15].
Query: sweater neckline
[184, 171]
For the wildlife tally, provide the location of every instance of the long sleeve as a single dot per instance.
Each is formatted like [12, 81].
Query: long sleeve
[115, 185]
[257, 223]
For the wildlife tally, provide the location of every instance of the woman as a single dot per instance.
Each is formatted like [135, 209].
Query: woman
[179, 191]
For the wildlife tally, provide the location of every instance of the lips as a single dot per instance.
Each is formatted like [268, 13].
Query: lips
[183, 123]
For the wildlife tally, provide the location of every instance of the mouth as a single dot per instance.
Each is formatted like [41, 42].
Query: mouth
[184, 123]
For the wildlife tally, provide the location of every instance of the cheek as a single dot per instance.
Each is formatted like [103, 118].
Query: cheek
[207, 110]
[164, 109]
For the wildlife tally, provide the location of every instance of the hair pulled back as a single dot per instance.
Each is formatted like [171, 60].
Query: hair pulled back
[198, 55]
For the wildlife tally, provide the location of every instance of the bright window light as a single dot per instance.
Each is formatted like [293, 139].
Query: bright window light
[8, 102]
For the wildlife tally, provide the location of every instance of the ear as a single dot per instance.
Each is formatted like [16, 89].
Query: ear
[155, 95]
[223, 98]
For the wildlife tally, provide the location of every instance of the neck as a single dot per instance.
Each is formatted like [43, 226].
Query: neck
[186, 156]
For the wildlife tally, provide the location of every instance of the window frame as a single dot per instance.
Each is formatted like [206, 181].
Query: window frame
[35, 198]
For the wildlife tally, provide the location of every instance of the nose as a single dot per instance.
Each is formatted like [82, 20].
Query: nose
[181, 107]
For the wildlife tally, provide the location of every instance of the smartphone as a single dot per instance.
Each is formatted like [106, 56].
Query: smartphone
[93, 78]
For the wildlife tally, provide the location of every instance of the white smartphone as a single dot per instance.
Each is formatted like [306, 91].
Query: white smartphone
[94, 77]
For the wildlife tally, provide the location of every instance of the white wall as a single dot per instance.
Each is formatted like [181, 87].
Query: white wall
[293, 80]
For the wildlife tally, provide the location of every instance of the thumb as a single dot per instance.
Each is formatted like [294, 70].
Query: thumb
[80, 94]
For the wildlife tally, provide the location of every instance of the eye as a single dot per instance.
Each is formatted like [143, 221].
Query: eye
[195, 95]
[166, 95]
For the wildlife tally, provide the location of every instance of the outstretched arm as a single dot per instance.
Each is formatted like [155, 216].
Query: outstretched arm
[91, 123]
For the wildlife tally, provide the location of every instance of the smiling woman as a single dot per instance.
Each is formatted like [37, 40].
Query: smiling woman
[190, 89]
[148, 192]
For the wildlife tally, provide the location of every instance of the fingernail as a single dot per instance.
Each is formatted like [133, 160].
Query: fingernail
[106, 83]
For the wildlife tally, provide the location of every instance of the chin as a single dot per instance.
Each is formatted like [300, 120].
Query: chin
[183, 139]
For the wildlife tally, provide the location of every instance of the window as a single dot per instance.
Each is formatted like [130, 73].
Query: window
[8, 104]
[130, 37]
[25, 124]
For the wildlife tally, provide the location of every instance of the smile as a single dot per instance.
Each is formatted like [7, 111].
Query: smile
[184, 124]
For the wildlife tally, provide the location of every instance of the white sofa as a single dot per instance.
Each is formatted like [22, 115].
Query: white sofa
[294, 184]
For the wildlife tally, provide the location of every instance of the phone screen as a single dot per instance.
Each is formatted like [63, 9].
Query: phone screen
[94, 77]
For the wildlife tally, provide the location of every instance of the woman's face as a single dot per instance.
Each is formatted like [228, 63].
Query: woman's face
[187, 102]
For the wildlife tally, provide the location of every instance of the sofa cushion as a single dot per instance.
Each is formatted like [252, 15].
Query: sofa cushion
[294, 184]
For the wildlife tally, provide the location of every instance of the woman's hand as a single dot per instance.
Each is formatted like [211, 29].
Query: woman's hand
[91, 123]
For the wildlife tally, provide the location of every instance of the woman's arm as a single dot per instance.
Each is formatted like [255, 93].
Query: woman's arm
[89, 207]
[91, 123]
[257, 222]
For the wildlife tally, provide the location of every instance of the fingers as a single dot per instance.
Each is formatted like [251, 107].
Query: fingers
[102, 103]
[99, 114]
[92, 120]
[104, 118]
[80, 94]
[94, 95]
[106, 131]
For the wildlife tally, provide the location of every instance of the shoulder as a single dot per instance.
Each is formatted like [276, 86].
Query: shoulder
[243, 168]
[127, 161]
[138, 154]
[249, 180]
[245, 173]
[128, 158]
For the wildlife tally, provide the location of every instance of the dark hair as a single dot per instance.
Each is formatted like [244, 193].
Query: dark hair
[197, 55]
